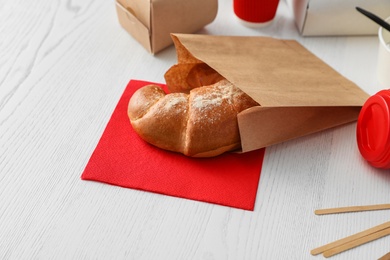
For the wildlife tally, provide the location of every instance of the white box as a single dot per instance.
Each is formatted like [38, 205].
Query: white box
[337, 17]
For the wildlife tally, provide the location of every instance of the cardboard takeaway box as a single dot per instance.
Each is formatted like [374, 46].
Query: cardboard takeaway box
[150, 22]
[335, 17]
[299, 94]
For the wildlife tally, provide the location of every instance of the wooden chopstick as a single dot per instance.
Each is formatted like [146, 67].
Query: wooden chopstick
[351, 209]
[340, 242]
[356, 242]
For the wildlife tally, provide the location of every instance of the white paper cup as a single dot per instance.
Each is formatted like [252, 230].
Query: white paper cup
[384, 57]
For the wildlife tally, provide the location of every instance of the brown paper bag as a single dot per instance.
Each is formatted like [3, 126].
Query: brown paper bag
[299, 94]
[150, 22]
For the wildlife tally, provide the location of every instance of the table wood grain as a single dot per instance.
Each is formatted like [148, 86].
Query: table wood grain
[63, 68]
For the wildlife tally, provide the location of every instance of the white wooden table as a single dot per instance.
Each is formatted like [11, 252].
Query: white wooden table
[63, 68]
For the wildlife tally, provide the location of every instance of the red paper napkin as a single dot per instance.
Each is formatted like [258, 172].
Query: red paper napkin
[121, 158]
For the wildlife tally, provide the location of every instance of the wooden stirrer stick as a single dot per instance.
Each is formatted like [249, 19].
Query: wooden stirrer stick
[348, 239]
[385, 257]
[351, 209]
[356, 242]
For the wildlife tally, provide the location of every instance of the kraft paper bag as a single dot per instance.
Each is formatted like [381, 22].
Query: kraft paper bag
[298, 93]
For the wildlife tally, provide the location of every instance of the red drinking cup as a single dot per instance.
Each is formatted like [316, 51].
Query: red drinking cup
[373, 130]
[255, 13]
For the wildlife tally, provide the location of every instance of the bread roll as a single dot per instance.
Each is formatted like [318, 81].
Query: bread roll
[187, 76]
[202, 123]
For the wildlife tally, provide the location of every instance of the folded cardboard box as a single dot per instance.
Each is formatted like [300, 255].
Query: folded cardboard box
[150, 22]
[299, 94]
[335, 17]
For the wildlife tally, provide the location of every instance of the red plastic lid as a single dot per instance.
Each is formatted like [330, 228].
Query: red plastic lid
[373, 130]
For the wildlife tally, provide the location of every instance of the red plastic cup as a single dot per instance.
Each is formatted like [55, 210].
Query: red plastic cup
[373, 130]
[255, 13]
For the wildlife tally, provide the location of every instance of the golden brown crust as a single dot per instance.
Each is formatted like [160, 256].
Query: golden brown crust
[202, 123]
[184, 77]
[163, 121]
[213, 120]
[142, 100]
